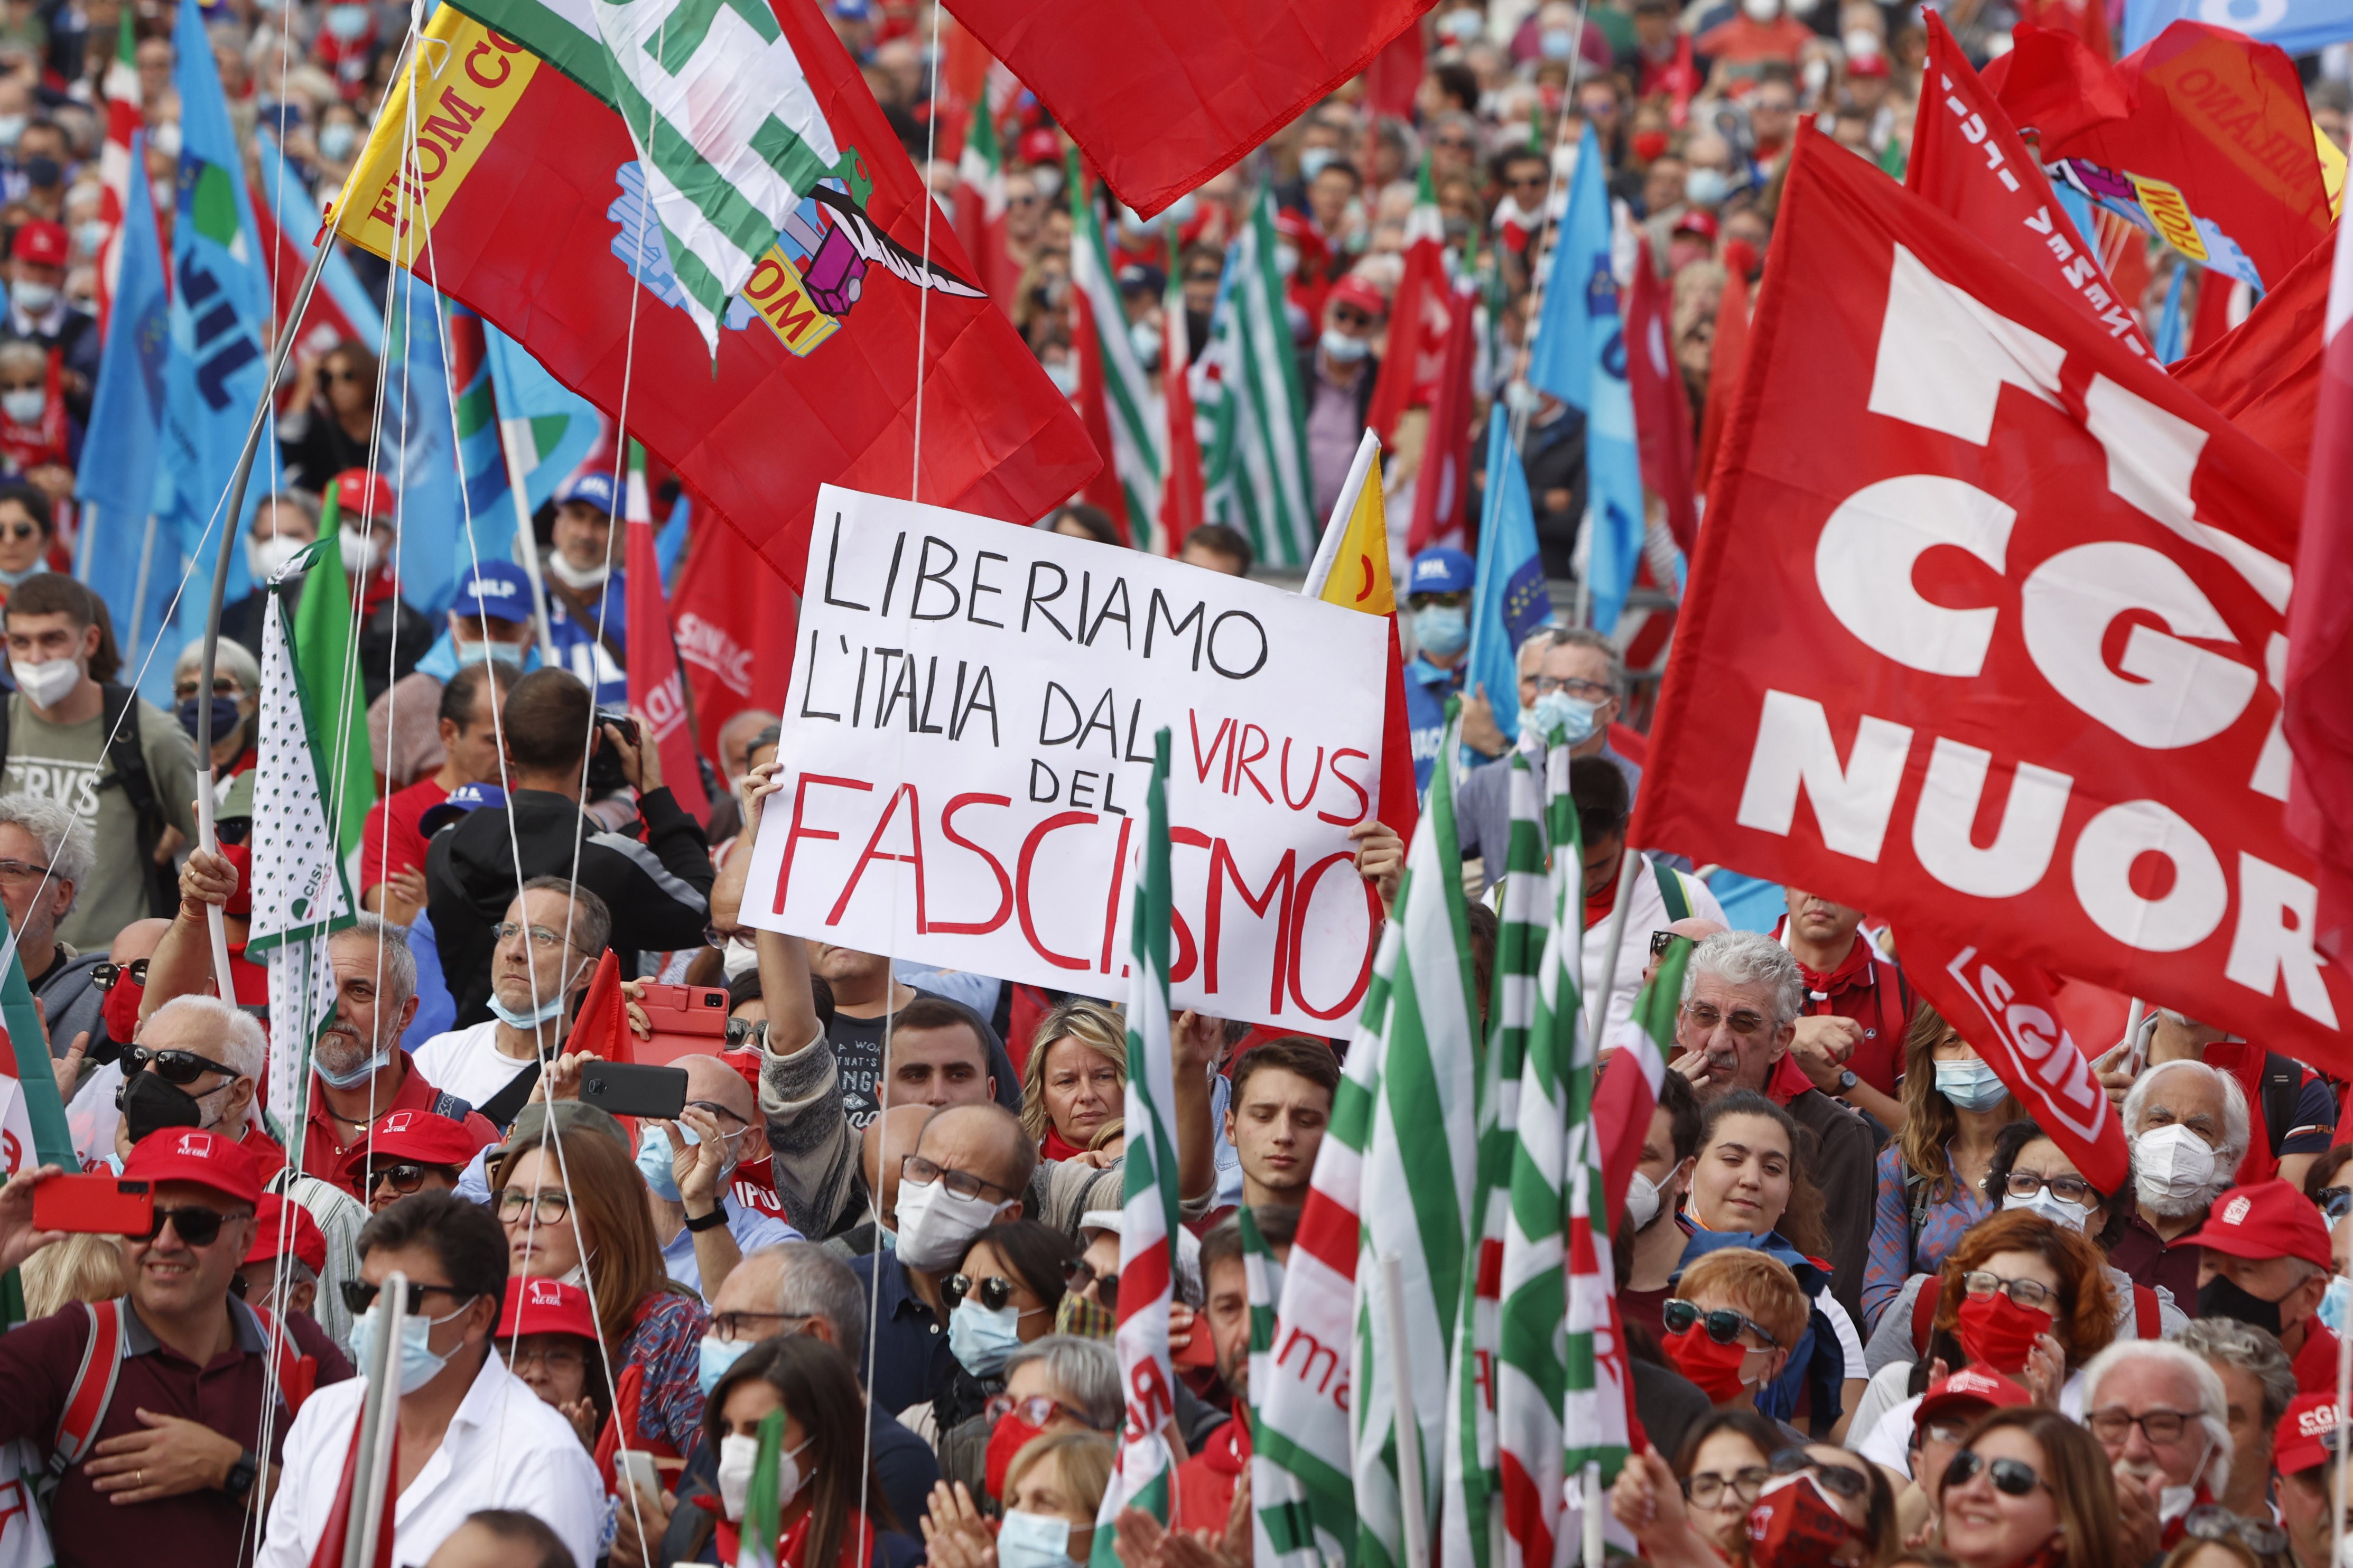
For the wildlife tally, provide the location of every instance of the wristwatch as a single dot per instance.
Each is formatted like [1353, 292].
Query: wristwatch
[712, 1221]
[1847, 1081]
[241, 1474]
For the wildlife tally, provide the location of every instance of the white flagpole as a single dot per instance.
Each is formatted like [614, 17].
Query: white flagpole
[1617, 940]
[1319, 571]
[139, 593]
[510, 433]
[1411, 1499]
[379, 1418]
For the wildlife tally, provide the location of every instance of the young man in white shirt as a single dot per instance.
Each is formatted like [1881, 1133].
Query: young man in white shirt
[547, 951]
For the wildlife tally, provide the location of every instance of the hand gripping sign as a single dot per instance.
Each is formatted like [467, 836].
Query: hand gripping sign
[2001, 657]
[968, 735]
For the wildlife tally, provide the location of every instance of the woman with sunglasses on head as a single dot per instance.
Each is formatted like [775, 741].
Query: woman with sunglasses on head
[596, 1229]
[1002, 1297]
[1722, 1467]
[1932, 1173]
[2019, 1296]
[2030, 1489]
[1075, 1083]
[1818, 1506]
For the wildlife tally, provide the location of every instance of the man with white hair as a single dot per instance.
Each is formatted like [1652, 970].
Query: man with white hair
[2188, 1124]
[46, 855]
[198, 1062]
[2164, 1420]
[1742, 996]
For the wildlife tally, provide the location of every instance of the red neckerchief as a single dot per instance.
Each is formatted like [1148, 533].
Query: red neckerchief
[1598, 905]
[1054, 1146]
[855, 1545]
[1855, 969]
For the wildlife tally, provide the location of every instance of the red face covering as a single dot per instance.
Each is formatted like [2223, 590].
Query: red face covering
[1793, 1524]
[1996, 1334]
[1005, 1440]
[122, 1010]
[1714, 1368]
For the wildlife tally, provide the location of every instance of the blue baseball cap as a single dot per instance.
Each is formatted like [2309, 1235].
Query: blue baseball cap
[1441, 570]
[462, 800]
[495, 588]
[596, 489]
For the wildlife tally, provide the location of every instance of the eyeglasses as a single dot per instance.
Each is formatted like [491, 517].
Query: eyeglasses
[405, 1177]
[1707, 1489]
[995, 1290]
[2066, 1189]
[960, 1183]
[2113, 1425]
[1723, 1325]
[20, 872]
[1078, 1274]
[106, 972]
[2211, 1522]
[193, 1224]
[1706, 1017]
[741, 1031]
[223, 686]
[348, 377]
[542, 938]
[2337, 1202]
[1984, 1285]
[2012, 1477]
[182, 1067]
[1035, 1410]
[1836, 1479]
[737, 1326]
[548, 1205]
[1576, 686]
[1455, 144]
[359, 1295]
[555, 1358]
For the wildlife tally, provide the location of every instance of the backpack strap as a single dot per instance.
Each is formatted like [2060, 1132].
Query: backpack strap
[503, 1107]
[130, 772]
[2283, 1086]
[93, 1387]
[1671, 892]
[2147, 1323]
[449, 1105]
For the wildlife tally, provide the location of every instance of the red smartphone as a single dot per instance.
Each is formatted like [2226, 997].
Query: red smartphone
[98, 1205]
[688, 1020]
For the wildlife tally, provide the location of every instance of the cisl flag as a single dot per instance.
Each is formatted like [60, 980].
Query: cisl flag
[2001, 657]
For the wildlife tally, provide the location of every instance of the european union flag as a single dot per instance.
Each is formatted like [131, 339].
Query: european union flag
[1508, 600]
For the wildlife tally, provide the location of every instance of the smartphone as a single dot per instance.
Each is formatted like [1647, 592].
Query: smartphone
[688, 1020]
[639, 1467]
[98, 1205]
[605, 774]
[634, 1089]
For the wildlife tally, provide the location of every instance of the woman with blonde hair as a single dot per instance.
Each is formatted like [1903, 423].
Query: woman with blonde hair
[1053, 1490]
[2030, 1489]
[1075, 1082]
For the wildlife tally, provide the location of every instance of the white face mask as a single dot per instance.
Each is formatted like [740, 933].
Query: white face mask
[738, 1456]
[166, 140]
[46, 684]
[265, 558]
[2067, 1216]
[1641, 1201]
[936, 1225]
[1032, 1541]
[26, 406]
[2171, 1166]
[1761, 12]
[577, 579]
[362, 552]
[33, 299]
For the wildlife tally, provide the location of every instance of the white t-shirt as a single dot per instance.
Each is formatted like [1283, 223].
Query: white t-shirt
[1850, 1342]
[467, 1063]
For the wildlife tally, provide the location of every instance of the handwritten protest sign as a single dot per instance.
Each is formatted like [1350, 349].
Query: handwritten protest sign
[968, 735]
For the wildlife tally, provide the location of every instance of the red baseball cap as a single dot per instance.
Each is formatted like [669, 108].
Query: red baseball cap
[545, 1307]
[302, 1238]
[1039, 144]
[1971, 1386]
[417, 1136]
[1699, 222]
[1355, 291]
[40, 242]
[2270, 1219]
[2305, 1435]
[206, 1158]
[359, 494]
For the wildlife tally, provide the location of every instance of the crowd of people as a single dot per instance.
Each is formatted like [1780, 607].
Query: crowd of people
[1876, 1314]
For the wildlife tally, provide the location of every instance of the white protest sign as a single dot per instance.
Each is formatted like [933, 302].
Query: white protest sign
[967, 739]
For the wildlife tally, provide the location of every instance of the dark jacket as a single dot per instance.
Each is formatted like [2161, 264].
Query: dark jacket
[658, 890]
[71, 1001]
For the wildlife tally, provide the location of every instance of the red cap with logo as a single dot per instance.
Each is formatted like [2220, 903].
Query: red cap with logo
[359, 494]
[40, 242]
[274, 1236]
[2306, 1434]
[2270, 1219]
[1974, 1387]
[1355, 291]
[417, 1136]
[545, 1307]
[206, 1158]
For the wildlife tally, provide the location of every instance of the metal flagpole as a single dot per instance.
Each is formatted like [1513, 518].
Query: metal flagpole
[524, 536]
[232, 524]
[379, 1420]
[139, 593]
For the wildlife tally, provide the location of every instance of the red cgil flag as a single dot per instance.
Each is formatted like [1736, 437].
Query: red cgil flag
[738, 620]
[1414, 355]
[1162, 94]
[2000, 660]
[1662, 418]
[1441, 491]
[657, 694]
[2320, 634]
[2264, 372]
[1728, 359]
[1395, 76]
[1182, 499]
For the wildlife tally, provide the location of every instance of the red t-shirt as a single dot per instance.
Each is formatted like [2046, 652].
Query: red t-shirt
[402, 849]
[324, 1149]
[1205, 1482]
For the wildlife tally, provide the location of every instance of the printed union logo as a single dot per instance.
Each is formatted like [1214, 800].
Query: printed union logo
[2236, 1210]
[545, 1292]
[2318, 1419]
[399, 1121]
[199, 1144]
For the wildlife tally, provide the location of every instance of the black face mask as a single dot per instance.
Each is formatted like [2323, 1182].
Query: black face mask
[149, 1105]
[225, 718]
[43, 172]
[2219, 1298]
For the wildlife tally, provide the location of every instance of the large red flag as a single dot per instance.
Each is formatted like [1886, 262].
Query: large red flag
[1395, 75]
[1162, 94]
[1999, 659]
[1441, 490]
[1181, 499]
[1727, 360]
[2264, 372]
[737, 622]
[2320, 634]
[538, 222]
[1662, 418]
[1414, 355]
[657, 695]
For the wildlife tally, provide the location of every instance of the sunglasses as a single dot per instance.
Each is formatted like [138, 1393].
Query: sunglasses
[2337, 1202]
[1660, 941]
[1723, 1325]
[359, 1296]
[741, 1031]
[22, 530]
[174, 1067]
[405, 1177]
[1078, 1274]
[1836, 1479]
[194, 1224]
[2012, 1477]
[104, 973]
[993, 1289]
[2210, 1522]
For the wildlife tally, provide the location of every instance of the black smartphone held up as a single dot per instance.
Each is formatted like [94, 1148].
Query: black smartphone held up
[605, 774]
[633, 1089]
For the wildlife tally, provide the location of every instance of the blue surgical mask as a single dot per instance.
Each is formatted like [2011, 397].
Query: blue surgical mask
[225, 719]
[357, 1076]
[2337, 1305]
[1032, 1541]
[1571, 716]
[1315, 161]
[506, 653]
[335, 140]
[1707, 188]
[983, 1341]
[1971, 1085]
[514, 1020]
[1441, 629]
[1557, 43]
[418, 1363]
[654, 1160]
[715, 1356]
[1339, 347]
[348, 23]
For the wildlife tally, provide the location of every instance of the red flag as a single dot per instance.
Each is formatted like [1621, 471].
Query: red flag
[980, 202]
[657, 695]
[1663, 420]
[2224, 302]
[2010, 1013]
[342, 1512]
[1413, 356]
[118, 176]
[2264, 372]
[1103, 490]
[1162, 94]
[817, 373]
[1997, 659]
[737, 622]
[602, 1024]
[1181, 499]
[2214, 153]
[324, 323]
[1968, 161]
[1441, 491]
[2320, 634]
[1728, 359]
[1395, 76]
[2087, 19]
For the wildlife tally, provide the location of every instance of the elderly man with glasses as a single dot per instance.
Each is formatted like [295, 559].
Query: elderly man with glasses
[548, 945]
[2164, 1417]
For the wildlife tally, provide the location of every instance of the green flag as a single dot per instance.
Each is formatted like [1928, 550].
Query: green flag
[326, 664]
